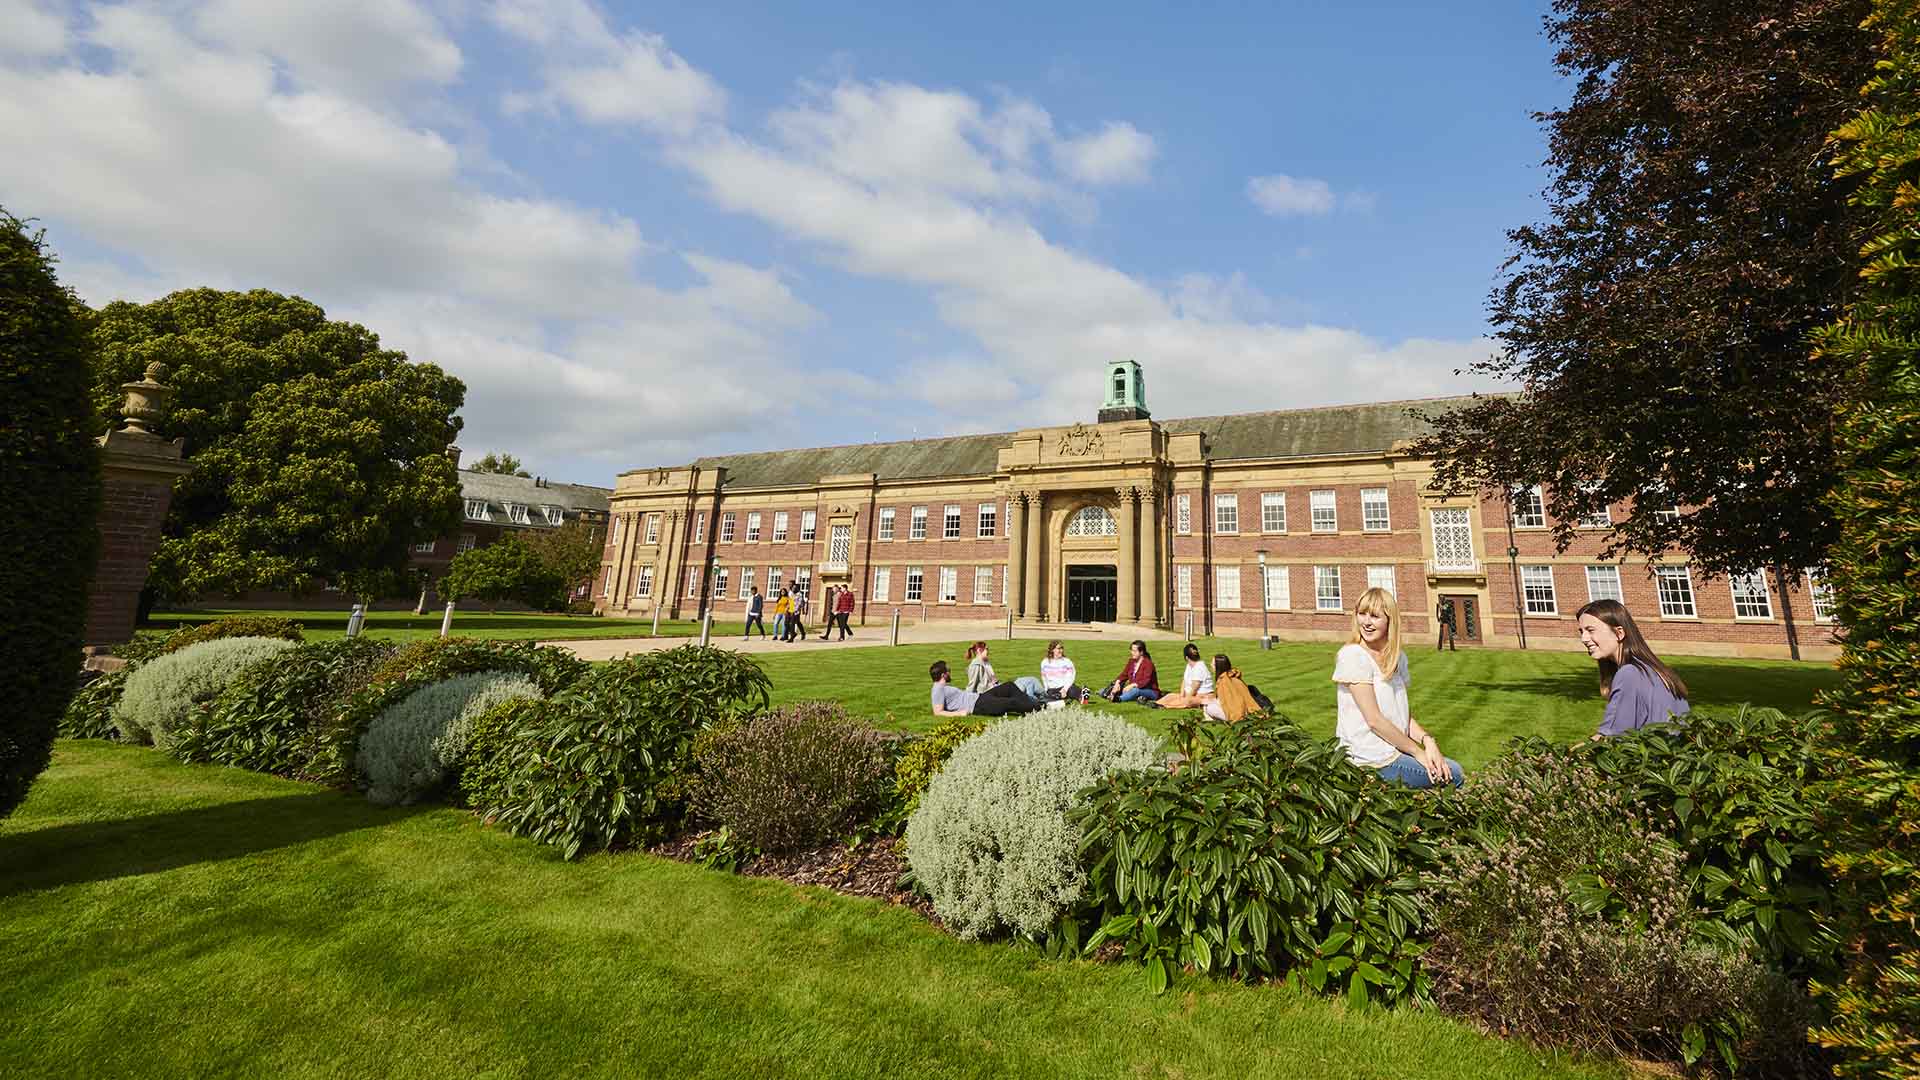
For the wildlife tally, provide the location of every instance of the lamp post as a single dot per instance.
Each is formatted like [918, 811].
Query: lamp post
[1266, 642]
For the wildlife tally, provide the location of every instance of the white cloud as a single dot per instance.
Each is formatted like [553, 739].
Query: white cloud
[1119, 154]
[31, 29]
[604, 77]
[346, 46]
[1282, 195]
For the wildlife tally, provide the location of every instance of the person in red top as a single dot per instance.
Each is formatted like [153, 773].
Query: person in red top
[1138, 681]
[843, 610]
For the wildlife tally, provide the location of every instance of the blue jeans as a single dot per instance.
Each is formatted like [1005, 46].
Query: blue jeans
[1138, 693]
[1406, 769]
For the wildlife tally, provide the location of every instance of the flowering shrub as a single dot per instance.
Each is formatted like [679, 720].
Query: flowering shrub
[1564, 915]
[1267, 853]
[410, 748]
[161, 696]
[991, 842]
[795, 777]
[922, 759]
[285, 716]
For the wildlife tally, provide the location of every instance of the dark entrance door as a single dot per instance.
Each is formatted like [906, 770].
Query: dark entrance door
[1466, 617]
[1093, 593]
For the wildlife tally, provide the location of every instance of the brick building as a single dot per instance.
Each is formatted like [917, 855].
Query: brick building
[497, 504]
[1162, 523]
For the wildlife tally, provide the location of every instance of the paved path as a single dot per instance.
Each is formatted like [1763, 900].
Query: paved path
[874, 633]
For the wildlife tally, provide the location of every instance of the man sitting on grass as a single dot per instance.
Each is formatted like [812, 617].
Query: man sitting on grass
[949, 700]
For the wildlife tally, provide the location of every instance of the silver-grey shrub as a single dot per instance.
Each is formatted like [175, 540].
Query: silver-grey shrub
[414, 744]
[991, 843]
[162, 694]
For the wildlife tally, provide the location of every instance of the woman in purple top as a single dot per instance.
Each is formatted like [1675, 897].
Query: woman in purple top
[1639, 688]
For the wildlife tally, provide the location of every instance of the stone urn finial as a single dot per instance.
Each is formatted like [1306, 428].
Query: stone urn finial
[146, 401]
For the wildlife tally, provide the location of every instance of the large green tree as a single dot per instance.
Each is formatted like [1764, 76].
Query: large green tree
[1873, 750]
[507, 569]
[317, 454]
[571, 552]
[1658, 323]
[50, 489]
[502, 463]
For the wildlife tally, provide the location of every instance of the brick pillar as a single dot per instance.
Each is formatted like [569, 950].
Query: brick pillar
[138, 468]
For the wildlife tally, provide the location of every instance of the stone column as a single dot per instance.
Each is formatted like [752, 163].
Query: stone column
[1128, 610]
[666, 582]
[138, 468]
[1016, 553]
[1035, 570]
[1150, 599]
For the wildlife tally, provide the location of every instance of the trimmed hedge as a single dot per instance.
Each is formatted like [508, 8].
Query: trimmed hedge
[286, 716]
[410, 748]
[422, 663]
[267, 626]
[161, 696]
[50, 489]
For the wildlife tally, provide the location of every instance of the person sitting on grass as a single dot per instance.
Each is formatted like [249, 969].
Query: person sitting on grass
[1196, 683]
[1375, 724]
[1138, 681]
[1639, 688]
[1057, 674]
[1006, 699]
[1233, 700]
[980, 676]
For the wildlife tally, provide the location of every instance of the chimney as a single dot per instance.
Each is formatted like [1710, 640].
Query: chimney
[453, 453]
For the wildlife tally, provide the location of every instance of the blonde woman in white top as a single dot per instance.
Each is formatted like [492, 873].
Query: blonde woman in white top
[1375, 723]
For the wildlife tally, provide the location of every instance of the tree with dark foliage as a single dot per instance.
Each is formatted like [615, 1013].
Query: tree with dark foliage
[1659, 323]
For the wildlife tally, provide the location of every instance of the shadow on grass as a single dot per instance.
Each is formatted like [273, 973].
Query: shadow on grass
[91, 851]
[1577, 686]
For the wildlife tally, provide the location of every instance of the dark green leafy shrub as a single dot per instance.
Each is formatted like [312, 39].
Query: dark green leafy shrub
[603, 763]
[1563, 915]
[921, 759]
[418, 743]
[796, 777]
[90, 714]
[266, 626]
[1267, 854]
[163, 697]
[491, 746]
[722, 850]
[50, 488]
[286, 716]
[422, 663]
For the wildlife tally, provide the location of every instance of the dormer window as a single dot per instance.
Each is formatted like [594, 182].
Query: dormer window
[555, 514]
[517, 513]
[477, 510]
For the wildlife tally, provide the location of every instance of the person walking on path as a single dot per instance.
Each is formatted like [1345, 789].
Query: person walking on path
[1443, 618]
[843, 610]
[782, 611]
[754, 607]
[797, 620]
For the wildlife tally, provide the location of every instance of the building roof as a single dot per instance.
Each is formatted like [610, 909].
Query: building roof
[1324, 431]
[498, 489]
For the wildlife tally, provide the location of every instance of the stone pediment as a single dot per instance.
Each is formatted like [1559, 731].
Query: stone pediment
[1083, 444]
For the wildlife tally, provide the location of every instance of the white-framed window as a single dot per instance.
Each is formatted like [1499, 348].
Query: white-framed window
[949, 585]
[1529, 508]
[720, 575]
[1676, 592]
[746, 583]
[950, 523]
[753, 534]
[803, 579]
[424, 547]
[989, 520]
[882, 583]
[467, 540]
[916, 580]
[1820, 593]
[1603, 583]
[1381, 577]
[643, 583]
[1750, 597]
[555, 514]
[1599, 519]
[1183, 514]
[780, 519]
[1452, 538]
[1373, 510]
[477, 510]
[1226, 512]
[1658, 496]
[653, 529]
[809, 525]
[839, 544]
[606, 583]
[517, 513]
[693, 582]
[1536, 586]
[618, 520]
[1326, 589]
[1326, 516]
[700, 527]
[776, 577]
[983, 584]
[1279, 589]
[917, 523]
[1183, 586]
[1092, 521]
[1273, 511]
[886, 522]
[1226, 587]
[726, 528]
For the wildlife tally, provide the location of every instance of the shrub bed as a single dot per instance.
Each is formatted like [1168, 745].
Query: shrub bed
[923, 758]
[161, 696]
[991, 842]
[1267, 853]
[89, 713]
[409, 750]
[795, 777]
[286, 715]
[232, 626]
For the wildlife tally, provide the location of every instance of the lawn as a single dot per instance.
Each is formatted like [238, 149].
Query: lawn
[331, 624]
[1473, 700]
[168, 920]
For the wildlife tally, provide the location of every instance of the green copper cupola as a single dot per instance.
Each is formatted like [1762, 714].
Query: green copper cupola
[1126, 392]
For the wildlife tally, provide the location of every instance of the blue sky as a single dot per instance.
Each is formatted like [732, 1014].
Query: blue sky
[646, 233]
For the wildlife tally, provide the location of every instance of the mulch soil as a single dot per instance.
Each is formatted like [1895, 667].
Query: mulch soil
[872, 870]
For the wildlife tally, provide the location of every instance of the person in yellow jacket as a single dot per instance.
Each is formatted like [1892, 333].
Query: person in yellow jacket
[782, 611]
[1232, 700]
